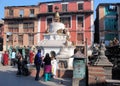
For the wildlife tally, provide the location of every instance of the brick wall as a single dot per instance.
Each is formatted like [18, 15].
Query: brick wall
[96, 76]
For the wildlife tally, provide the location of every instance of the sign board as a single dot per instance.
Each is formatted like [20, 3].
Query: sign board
[79, 68]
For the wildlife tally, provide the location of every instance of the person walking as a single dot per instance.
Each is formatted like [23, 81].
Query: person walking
[47, 67]
[54, 64]
[13, 58]
[37, 62]
[25, 70]
[19, 63]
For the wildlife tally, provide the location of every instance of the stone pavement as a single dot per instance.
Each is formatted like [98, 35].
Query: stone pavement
[8, 78]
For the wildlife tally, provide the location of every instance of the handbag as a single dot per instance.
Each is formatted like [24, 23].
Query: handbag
[42, 64]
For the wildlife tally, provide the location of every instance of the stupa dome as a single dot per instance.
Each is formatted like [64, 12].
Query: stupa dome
[55, 26]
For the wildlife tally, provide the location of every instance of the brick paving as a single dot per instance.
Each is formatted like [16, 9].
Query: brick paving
[8, 78]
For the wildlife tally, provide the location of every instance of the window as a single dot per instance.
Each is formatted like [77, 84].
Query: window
[50, 8]
[0, 31]
[13, 27]
[31, 12]
[80, 6]
[66, 21]
[10, 12]
[111, 36]
[31, 39]
[21, 13]
[80, 23]
[20, 39]
[64, 7]
[10, 40]
[111, 24]
[49, 20]
[80, 38]
[28, 26]
[110, 10]
[1, 44]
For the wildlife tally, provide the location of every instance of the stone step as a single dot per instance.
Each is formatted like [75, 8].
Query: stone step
[113, 82]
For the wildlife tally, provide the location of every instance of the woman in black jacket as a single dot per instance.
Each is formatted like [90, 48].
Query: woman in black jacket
[47, 67]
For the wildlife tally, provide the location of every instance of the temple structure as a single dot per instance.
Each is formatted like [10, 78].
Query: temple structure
[57, 39]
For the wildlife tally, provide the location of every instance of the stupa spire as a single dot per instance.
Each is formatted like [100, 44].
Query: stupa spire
[57, 16]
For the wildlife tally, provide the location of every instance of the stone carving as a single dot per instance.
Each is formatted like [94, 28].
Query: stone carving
[102, 49]
[114, 42]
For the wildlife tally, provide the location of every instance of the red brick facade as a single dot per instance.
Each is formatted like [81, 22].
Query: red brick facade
[73, 12]
[71, 17]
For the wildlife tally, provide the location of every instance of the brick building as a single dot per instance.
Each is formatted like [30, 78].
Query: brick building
[27, 24]
[20, 25]
[107, 23]
[1, 28]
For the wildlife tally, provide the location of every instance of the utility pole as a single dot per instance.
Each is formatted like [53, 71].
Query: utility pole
[86, 51]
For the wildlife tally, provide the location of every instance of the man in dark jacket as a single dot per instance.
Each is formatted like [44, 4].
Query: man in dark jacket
[37, 62]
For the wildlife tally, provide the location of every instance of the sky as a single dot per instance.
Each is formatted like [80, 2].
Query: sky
[4, 3]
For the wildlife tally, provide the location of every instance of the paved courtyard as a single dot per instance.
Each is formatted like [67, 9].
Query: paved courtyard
[8, 78]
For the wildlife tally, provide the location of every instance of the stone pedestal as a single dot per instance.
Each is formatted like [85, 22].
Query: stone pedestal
[103, 62]
[96, 76]
[78, 82]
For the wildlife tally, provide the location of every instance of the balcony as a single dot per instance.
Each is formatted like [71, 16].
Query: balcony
[14, 30]
[66, 13]
[20, 18]
[29, 30]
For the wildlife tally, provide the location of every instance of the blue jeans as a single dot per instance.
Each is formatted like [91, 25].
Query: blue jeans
[37, 72]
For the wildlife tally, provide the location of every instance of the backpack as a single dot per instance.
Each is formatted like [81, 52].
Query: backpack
[37, 60]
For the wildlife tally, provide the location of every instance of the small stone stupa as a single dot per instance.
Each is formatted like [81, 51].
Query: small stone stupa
[103, 61]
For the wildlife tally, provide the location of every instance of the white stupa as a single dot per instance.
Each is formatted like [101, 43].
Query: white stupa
[56, 40]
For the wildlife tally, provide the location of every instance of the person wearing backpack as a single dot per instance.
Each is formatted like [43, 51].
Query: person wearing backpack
[37, 62]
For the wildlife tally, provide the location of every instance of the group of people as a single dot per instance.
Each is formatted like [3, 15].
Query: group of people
[50, 65]
[48, 62]
[16, 58]
[11, 60]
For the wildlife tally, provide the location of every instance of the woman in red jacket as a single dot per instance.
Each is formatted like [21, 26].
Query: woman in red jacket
[5, 58]
[31, 57]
